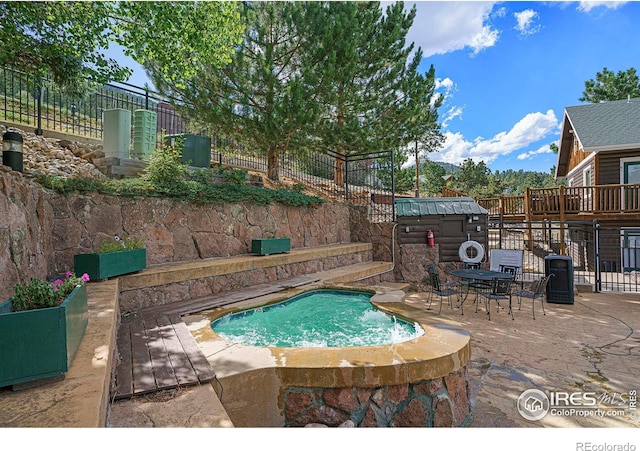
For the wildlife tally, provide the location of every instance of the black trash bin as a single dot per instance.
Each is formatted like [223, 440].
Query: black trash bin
[560, 286]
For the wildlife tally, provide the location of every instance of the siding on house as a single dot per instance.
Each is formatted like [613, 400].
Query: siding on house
[609, 165]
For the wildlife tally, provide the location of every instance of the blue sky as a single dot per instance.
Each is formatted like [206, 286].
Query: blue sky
[508, 70]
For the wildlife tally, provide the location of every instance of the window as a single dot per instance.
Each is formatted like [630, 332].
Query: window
[587, 177]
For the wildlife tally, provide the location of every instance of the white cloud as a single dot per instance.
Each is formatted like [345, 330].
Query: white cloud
[526, 22]
[589, 5]
[443, 27]
[529, 130]
[532, 153]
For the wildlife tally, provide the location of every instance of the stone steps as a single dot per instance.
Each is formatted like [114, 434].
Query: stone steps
[183, 281]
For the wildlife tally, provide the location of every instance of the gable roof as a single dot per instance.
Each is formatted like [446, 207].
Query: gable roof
[424, 206]
[599, 127]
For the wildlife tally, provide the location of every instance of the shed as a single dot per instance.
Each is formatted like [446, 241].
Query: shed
[453, 221]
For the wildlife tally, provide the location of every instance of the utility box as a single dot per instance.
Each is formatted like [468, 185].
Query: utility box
[560, 286]
[145, 124]
[196, 149]
[116, 133]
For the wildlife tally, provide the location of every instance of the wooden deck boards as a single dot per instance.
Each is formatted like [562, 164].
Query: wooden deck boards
[157, 351]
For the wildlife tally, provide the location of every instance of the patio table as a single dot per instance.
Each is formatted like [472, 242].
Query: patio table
[484, 275]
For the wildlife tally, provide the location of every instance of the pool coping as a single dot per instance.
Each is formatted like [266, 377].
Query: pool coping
[444, 347]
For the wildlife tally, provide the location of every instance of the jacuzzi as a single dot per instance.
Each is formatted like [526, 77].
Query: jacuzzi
[421, 382]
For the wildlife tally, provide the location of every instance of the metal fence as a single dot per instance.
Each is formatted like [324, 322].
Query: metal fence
[607, 258]
[360, 179]
[364, 179]
[33, 101]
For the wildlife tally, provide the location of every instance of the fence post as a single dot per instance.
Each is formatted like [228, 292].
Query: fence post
[38, 130]
[346, 178]
[596, 253]
[393, 187]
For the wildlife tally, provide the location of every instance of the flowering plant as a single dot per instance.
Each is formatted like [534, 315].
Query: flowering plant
[38, 293]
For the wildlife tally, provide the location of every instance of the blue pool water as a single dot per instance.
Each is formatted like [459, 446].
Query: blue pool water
[321, 318]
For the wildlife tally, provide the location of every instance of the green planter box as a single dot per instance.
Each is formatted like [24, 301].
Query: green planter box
[103, 266]
[266, 246]
[37, 344]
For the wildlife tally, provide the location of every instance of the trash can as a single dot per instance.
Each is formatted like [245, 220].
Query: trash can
[560, 286]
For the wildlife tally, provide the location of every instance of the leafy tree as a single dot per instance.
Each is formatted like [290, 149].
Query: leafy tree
[175, 40]
[61, 39]
[66, 39]
[610, 86]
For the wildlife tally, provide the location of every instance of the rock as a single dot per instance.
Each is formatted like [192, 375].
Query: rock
[57, 157]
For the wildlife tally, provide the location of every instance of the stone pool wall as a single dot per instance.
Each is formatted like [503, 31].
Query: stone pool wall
[442, 402]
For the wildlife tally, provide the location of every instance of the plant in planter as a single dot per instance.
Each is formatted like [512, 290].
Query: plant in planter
[41, 327]
[113, 258]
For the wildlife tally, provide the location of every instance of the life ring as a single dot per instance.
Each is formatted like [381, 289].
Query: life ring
[464, 256]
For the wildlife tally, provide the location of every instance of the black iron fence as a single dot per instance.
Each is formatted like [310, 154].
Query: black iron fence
[364, 179]
[605, 258]
[35, 102]
[361, 179]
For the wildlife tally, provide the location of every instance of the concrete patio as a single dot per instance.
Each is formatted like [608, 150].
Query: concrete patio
[592, 345]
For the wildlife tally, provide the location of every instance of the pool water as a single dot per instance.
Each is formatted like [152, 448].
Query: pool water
[321, 318]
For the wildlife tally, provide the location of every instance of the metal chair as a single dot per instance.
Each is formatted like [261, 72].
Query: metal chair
[500, 291]
[439, 288]
[537, 290]
[514, 271]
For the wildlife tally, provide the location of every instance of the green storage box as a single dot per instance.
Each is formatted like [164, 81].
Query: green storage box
[196, 150]
[145, 124]
[266, 246]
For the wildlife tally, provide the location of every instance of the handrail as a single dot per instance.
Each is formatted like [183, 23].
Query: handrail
[562, 201]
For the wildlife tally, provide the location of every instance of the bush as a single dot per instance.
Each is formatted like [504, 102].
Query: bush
[165, 167]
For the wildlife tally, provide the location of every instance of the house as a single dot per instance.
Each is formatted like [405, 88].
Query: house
[600, 144]
[600, 148]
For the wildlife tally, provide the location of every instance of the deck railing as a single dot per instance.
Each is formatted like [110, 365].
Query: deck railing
[562, 201]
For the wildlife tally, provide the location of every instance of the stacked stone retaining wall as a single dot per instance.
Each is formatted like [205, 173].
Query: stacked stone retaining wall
[442, 402]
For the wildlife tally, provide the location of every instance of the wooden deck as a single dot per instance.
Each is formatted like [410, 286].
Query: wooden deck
[157, 351]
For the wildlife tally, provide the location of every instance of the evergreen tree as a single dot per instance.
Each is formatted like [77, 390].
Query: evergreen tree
[264, 97]
[610, 86]
[372, 97]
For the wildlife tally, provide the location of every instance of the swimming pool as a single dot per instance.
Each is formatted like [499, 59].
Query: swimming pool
[318, 318]
[417, 382]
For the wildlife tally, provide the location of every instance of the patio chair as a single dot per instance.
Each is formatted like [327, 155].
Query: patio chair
[537, 290]
[515, 273]
[500, 291]
[439, 288]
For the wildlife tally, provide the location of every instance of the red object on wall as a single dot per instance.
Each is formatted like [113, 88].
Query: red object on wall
[431, 241]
